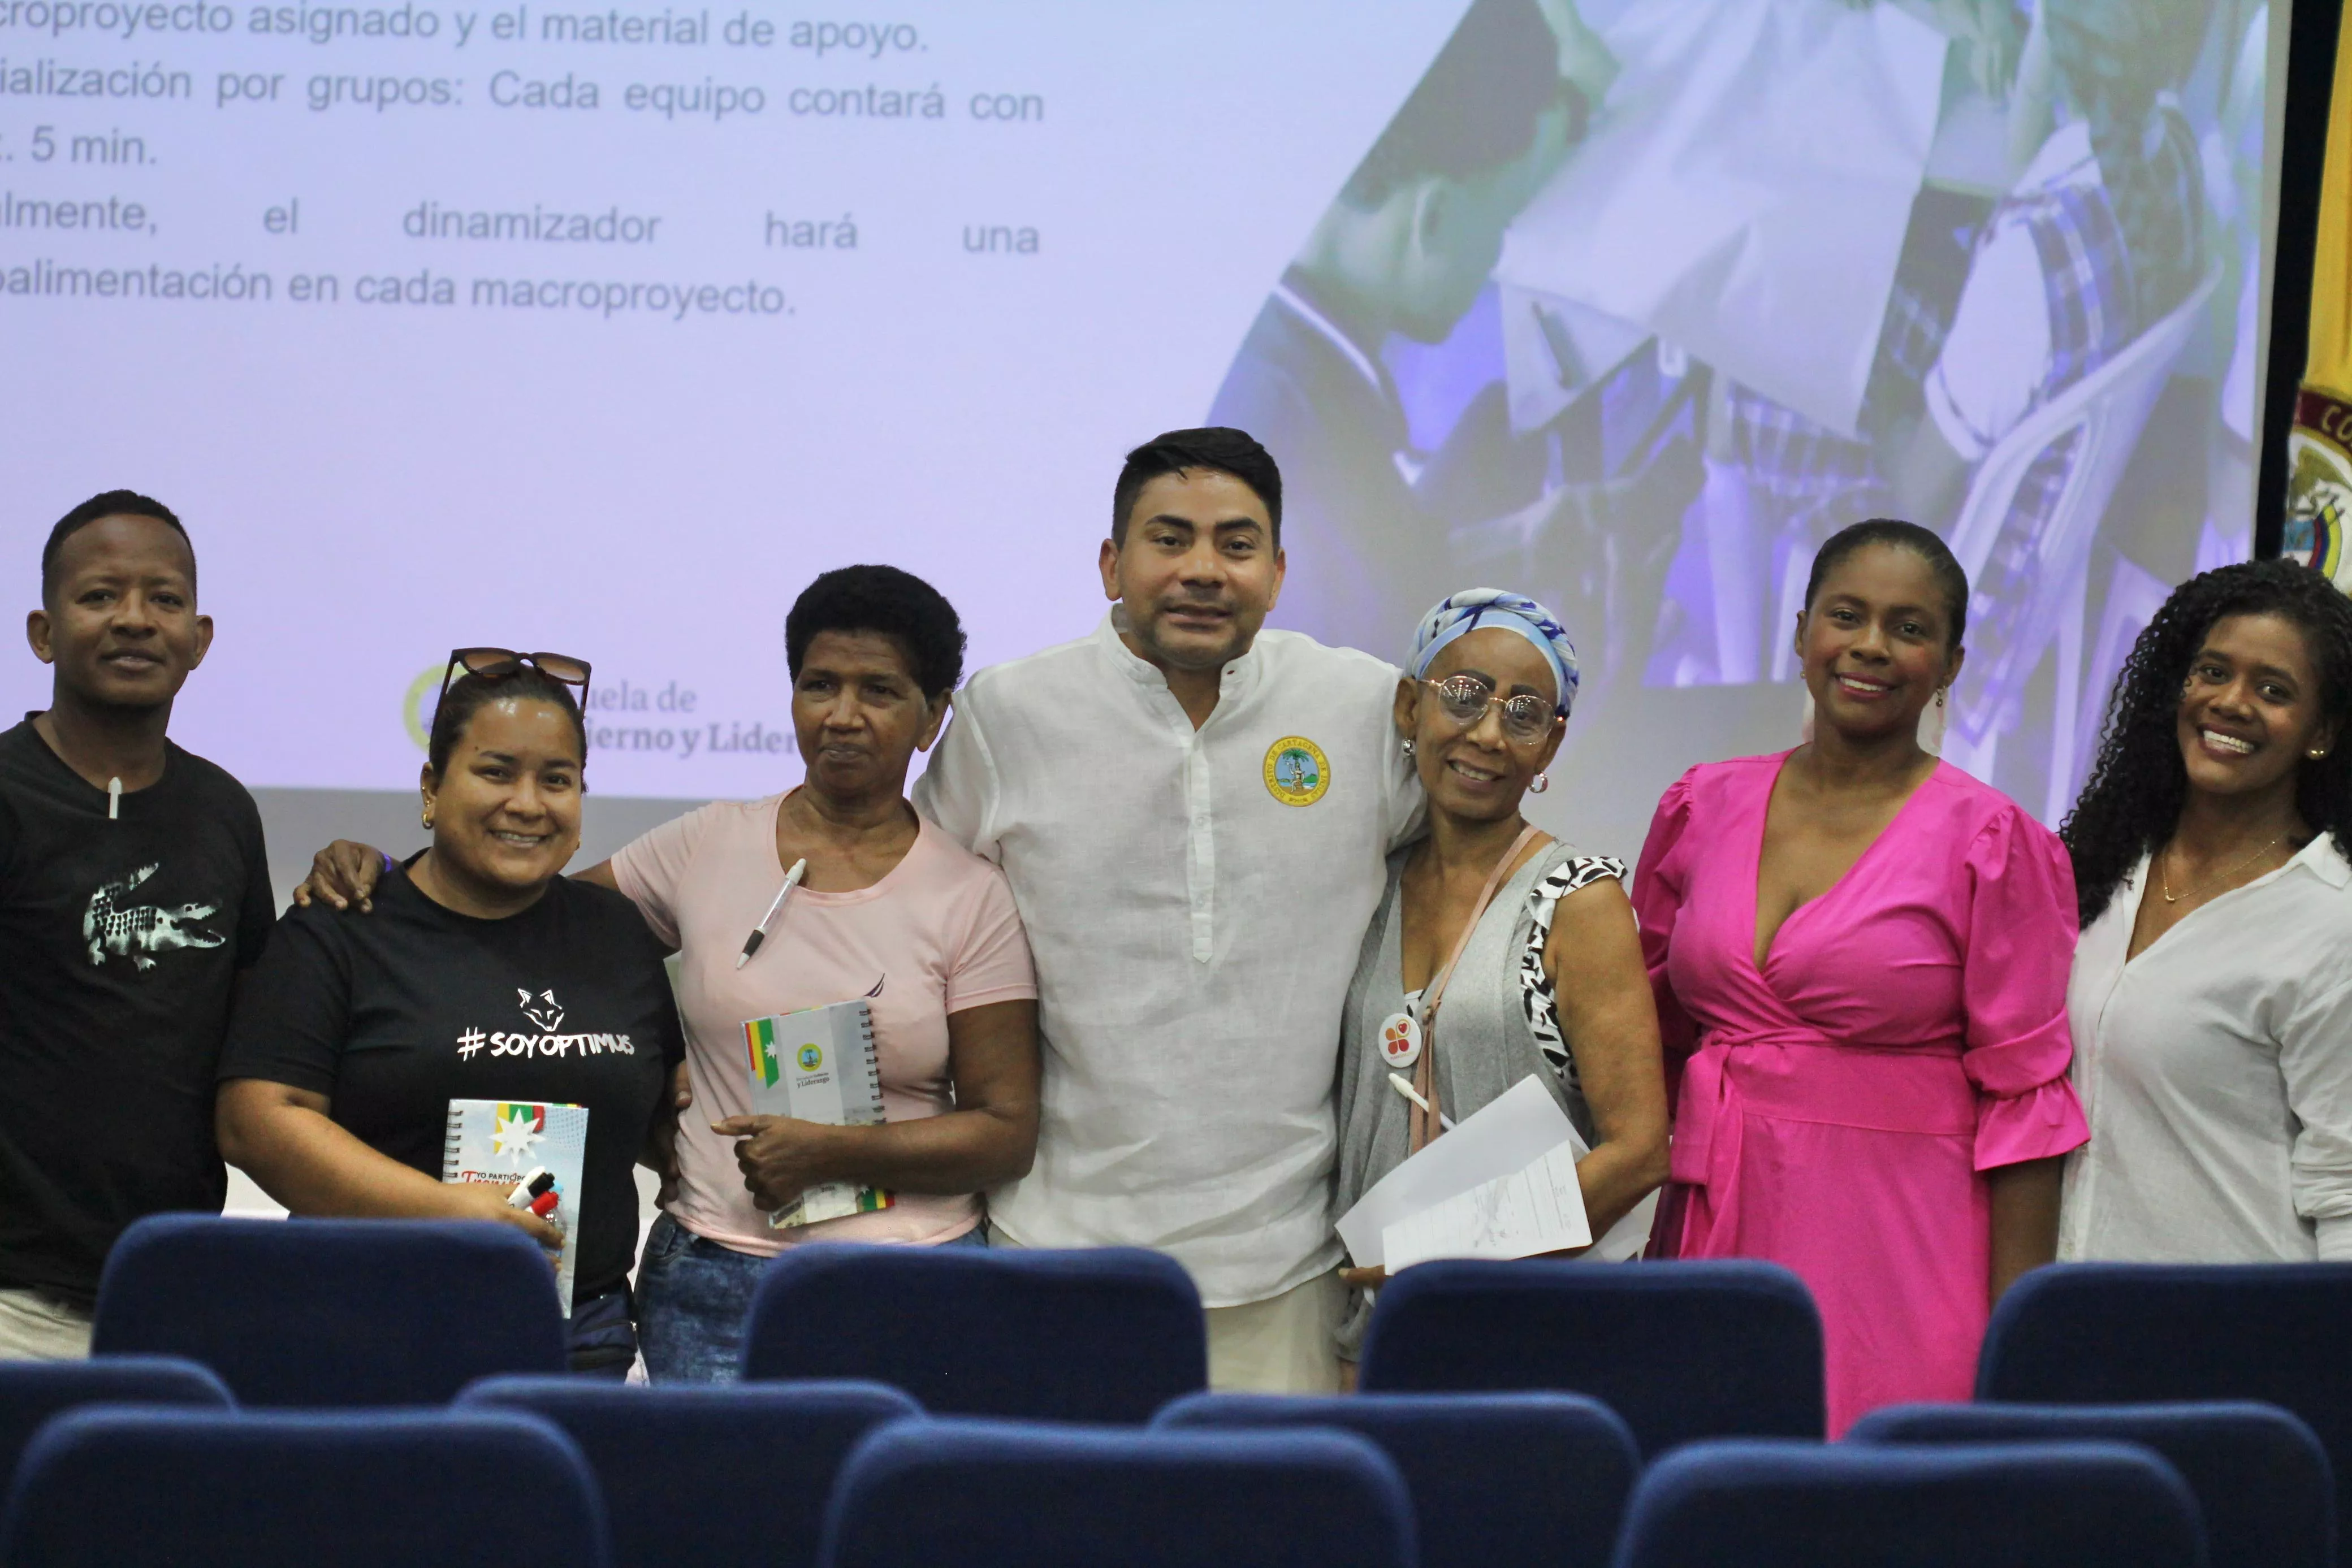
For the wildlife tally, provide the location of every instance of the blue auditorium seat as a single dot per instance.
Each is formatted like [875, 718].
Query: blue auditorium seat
[1495, 1478]
[33, 1391]
[374, 1489]
[2261, 1479]
[1682, 1351]
[1779, 1504]
[699, 1476]
[332, 1312]
[2133, 1333]
[1005, 1494]
[1104, 1334]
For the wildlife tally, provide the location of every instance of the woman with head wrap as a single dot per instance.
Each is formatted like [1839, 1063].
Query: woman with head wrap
[1528, 947]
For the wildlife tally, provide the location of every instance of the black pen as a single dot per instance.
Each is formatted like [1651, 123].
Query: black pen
[760, 932]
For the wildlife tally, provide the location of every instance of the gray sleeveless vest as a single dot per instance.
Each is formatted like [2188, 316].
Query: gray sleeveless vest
[1483, 1043]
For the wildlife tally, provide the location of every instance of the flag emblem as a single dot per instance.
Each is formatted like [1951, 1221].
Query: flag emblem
[760, 1036]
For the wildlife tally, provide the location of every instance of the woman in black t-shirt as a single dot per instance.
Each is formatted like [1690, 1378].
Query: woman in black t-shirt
[484, 975]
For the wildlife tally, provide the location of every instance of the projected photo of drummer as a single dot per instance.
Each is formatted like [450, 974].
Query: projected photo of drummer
[1633, 303]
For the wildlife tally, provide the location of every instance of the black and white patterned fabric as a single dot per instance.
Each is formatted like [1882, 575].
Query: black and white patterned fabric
[1535, 986]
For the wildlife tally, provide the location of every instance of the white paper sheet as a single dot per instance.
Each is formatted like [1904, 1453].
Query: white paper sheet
[1538, 1209]
[1626, 1239]
[1744, 190]
[1510, 1132]
[1452, 1165]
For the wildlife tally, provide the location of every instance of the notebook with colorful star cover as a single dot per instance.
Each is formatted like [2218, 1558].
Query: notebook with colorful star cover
[501, 1142]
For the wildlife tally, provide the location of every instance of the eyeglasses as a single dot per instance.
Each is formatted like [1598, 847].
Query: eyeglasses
[503, 663]
[1526, 718]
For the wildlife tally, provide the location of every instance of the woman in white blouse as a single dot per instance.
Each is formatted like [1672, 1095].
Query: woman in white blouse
[2211, 998]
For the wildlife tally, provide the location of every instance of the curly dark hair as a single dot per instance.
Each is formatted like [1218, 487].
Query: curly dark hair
[2133, 800]
[884, 599]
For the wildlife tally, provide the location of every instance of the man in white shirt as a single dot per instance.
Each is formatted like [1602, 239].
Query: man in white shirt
[1195, 817]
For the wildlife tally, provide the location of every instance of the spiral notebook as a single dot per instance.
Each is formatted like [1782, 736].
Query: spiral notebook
[499, 1142]
[818, 1065]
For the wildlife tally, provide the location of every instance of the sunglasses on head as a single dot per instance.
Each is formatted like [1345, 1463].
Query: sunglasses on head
[501, 663]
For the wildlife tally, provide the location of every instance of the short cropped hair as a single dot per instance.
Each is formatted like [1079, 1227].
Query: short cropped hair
[890, 604]
[110, 504]
[1476, 106]
[1219, 448]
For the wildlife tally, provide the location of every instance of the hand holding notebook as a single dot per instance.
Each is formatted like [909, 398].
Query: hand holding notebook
[482, 1200]
[812, 1072]
[782, 1157]
[492, 1145]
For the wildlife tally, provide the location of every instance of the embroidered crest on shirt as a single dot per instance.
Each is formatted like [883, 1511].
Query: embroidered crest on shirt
[136, 931]
[1296, 771]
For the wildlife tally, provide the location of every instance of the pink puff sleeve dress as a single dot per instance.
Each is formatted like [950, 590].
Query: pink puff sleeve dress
[1836, 1110]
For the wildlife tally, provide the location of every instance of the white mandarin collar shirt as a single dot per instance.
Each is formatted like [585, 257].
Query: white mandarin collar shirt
[1194, 900]
[2216, 1070]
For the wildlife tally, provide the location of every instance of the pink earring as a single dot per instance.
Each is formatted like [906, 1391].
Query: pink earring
[1538, 784]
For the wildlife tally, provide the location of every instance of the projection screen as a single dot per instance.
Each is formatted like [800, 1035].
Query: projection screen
[603, 331]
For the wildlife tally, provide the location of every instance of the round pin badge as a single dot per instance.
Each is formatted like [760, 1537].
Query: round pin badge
[1401, 1039]
[1296, 771]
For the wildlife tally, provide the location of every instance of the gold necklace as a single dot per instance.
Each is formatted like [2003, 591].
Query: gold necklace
[2165, 882]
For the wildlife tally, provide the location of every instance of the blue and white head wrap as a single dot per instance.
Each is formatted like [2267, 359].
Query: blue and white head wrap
[1460, 613]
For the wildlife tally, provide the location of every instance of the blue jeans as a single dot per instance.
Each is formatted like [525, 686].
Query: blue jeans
[693, 1297]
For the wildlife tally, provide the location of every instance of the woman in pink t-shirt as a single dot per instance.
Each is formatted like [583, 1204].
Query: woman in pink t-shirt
[889, 909]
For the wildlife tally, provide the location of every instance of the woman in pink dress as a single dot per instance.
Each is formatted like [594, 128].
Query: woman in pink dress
[1860, 955]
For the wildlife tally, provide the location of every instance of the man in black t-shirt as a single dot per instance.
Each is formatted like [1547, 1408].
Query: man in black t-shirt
[133, 890]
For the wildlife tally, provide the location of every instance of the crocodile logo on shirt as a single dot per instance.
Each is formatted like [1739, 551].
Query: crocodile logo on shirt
[136, 931]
